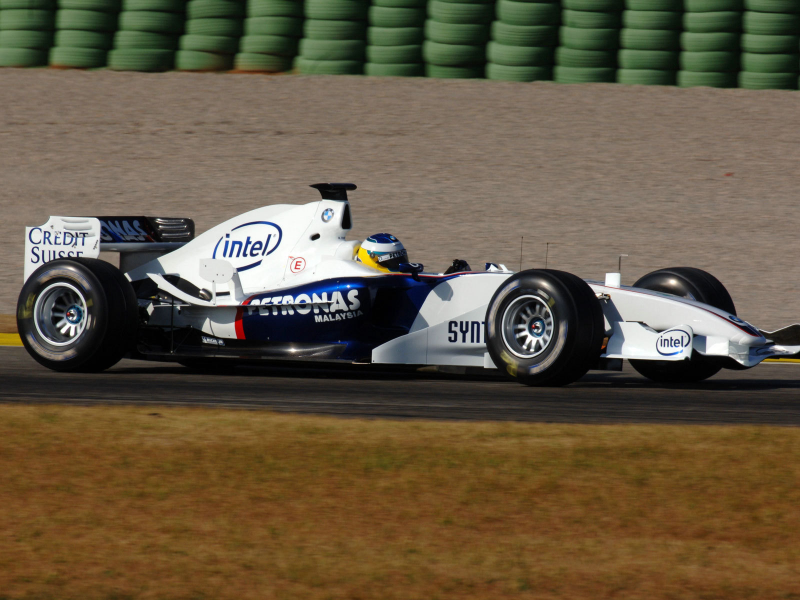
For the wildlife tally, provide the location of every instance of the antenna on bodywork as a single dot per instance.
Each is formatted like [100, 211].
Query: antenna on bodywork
[334, 191]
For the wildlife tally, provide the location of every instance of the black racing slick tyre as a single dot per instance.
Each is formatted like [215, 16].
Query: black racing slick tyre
[77, 314]
[544, 328]
[694, 284]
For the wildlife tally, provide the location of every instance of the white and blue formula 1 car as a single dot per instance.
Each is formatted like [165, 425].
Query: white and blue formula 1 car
[281, 283]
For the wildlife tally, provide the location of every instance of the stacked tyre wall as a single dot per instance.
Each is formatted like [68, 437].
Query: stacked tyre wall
[203, 52]
[752, 44]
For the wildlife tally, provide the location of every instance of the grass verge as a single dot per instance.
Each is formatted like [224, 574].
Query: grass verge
[122, 503]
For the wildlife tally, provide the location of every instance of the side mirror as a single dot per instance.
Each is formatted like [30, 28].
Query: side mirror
[413, 268]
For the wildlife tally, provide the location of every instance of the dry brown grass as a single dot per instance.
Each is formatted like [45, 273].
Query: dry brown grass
[117, 503]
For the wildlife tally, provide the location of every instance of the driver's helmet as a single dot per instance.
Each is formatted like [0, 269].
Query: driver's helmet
[382, 251]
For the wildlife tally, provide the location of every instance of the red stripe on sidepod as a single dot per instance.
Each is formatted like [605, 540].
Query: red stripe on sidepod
[238, 323]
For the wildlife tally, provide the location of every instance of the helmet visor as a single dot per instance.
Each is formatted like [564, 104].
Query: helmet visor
[389, 260]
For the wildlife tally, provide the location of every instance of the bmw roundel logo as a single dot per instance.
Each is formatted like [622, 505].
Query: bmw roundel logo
[327, 215]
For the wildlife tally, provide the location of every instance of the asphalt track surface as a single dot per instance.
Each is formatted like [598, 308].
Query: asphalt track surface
[768, 394]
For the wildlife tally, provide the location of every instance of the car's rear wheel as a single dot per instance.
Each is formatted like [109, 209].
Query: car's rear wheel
[544, 327]
[694, 284]
[77, 315]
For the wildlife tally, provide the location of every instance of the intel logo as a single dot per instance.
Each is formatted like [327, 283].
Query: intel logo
[247, 245]
[673, 342]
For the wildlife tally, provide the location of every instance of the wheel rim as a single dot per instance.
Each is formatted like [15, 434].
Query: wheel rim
[60, 314]
[527, 326]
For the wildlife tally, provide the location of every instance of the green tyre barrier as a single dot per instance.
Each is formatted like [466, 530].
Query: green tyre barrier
[773, 6]
[27, 20]
[394, 55]
[143, 40]
[401, 4]
[283, 26]
[32, 40]
[453, 55]
[769, 44]
[528, 13]
[336, 50]
[589, 39]
[655, 60]
[86, 20]
[646, 77]
[210, 43]
[635, 19]
[23, 57]
[154, 22]
[475, 1]
[77, 58]
[327, 30]
[518, 73]
[707, 6]
[28, 4]
[381, 70]
[111, 6]
[455, 33]
[709, 62]
[444, 72]
[712, 22]
[82, 39]
[275, 8]
[768, 81]
[449, 12]
[770, 23]
[173, 6]
[519, 56]
[381, 16]
[523, 35]
[328, 67]
[336, 10]
[770, 63]
[214, 9]
[649, 39]
[190, 60]
[262, 63]
[662, 5]
[268, 44]
[590, 59]
[591, 20]
[562, 74]
[715, 80]
[395, 36]
[141, 59]
[594, 5]
[218, 27]
[710, 42]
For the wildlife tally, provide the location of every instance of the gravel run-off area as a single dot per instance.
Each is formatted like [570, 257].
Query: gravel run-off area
[456, 169]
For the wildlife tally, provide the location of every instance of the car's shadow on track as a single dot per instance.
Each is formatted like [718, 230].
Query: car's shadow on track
[724, 381]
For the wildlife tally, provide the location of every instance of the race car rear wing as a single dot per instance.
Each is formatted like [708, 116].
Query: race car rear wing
[137, 239]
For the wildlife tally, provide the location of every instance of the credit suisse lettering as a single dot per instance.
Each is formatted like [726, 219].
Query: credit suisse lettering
[49, 245]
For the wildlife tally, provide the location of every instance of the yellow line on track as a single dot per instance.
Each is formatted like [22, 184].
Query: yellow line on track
[10, 339]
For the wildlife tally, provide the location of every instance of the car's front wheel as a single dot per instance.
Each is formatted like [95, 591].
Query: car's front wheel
[693, 284]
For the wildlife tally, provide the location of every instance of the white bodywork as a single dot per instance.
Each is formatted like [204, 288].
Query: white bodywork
[282, 246]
